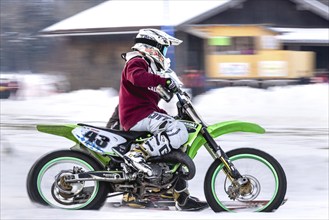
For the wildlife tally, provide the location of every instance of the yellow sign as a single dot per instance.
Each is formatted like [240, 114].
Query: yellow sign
[234, 69]
[272, 68]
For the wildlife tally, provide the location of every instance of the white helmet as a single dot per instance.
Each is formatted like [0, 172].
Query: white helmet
[154, 43]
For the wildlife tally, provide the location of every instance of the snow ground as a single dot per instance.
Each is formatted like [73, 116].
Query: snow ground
[296, 120]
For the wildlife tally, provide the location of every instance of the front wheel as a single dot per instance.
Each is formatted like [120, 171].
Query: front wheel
[46, 183]
[263, 191]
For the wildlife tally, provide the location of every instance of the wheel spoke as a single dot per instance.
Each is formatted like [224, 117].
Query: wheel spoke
[58, 193]
[253, 196]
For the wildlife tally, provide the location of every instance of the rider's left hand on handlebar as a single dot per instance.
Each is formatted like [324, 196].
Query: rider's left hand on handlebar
[171, 85]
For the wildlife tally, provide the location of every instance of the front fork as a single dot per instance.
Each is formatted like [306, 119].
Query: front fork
[215, 150]
[229, 169]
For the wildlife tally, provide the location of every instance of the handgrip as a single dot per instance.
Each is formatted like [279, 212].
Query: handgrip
[164, 93]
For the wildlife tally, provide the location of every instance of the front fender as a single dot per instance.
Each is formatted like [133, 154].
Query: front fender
[222, 128]
[60, 130]
[234, 126]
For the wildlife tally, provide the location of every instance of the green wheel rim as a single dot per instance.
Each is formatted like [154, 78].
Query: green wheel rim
[242, 156]
[50, 164]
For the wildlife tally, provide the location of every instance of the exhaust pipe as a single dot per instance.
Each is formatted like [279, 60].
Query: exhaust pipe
[177, 156]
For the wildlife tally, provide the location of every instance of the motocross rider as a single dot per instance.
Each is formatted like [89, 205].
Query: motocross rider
[139, 111]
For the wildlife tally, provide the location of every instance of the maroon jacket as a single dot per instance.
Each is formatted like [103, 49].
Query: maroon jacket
[137, 98]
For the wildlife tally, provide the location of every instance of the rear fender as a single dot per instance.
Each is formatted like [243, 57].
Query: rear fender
[102, 160]
[66, 131]
[222, 128]
[60, 130]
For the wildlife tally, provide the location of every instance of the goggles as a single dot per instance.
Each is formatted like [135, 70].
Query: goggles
[164, 51]
[162, 48]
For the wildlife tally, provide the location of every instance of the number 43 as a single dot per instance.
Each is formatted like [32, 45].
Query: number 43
[100, 140]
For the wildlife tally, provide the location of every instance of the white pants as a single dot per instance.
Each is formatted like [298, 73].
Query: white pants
[157, 124]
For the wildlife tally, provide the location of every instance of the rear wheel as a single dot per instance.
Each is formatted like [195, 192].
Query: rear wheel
[265, 186]
[46, 183]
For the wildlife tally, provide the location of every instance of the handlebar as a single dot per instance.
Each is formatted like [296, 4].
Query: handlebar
[186, 103]
[166, 95]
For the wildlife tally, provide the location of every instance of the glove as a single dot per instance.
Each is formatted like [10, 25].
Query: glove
[171, 85]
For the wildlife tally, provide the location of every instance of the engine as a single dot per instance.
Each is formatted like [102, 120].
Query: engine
[161, 174]
[162, 178]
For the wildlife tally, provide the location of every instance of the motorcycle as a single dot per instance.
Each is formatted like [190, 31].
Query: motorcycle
[84, 176]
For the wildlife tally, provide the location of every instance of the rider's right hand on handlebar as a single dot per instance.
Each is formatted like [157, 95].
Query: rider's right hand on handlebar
[171, 85]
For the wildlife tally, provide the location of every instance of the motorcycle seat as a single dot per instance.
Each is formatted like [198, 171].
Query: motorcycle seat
[130, 135]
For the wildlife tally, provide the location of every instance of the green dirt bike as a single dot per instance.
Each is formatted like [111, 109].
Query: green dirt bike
[84, 176]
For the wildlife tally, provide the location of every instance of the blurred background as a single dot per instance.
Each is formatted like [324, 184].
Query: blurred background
[226, 42]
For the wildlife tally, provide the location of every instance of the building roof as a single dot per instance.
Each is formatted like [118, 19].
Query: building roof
[127, 16]
[119, 16]
[320, 7]
[316, 6]
[303, 35]
[326, 2]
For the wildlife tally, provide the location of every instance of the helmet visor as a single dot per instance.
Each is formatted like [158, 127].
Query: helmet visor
[164, 50]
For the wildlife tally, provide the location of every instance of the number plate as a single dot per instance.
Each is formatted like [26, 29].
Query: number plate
[97, 140]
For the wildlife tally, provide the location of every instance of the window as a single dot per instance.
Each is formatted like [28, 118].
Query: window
[232, 45]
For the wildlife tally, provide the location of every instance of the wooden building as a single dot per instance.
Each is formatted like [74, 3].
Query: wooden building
[225, 39]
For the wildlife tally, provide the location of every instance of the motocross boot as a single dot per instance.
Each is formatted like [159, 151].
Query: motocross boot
[185, 202]
[137, 158]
